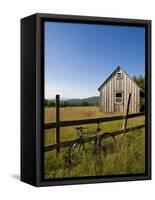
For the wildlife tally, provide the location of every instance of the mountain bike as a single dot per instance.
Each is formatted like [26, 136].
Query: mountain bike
[101, 143]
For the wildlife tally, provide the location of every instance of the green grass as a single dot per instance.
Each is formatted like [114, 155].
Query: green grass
[128, 156]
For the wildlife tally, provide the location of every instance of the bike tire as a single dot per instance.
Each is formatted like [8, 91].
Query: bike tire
[75, 152]
[108, 144]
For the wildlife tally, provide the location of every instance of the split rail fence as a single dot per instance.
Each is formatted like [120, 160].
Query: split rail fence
[59, 124]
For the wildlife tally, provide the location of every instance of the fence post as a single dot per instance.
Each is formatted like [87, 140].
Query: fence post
[57, 121]
[127, 112]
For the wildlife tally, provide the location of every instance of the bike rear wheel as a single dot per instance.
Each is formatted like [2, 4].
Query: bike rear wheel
[108, 144]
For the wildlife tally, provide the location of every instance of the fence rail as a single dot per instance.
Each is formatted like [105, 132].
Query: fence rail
[91, 138]
[58, 124]
[90, 121]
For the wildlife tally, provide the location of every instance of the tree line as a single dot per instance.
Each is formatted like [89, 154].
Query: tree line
[68, 103]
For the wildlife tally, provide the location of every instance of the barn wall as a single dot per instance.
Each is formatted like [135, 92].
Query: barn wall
[126, 85]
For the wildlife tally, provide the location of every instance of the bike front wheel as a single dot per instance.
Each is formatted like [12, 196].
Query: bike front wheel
[75, 152]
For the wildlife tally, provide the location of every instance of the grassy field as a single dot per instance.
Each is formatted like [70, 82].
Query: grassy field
[128, 156]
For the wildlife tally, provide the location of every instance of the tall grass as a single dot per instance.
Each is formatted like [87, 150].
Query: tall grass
[128, 156]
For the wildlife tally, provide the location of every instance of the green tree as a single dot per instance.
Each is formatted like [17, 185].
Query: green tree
[140, 80]
[49, 103]
[85, 103]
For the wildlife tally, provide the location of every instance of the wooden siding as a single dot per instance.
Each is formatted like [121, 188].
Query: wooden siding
[125, 85]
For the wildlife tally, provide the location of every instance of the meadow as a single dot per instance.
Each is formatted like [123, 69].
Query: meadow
[128, 156]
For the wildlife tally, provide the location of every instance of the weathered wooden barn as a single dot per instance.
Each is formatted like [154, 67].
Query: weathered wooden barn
[115, 90]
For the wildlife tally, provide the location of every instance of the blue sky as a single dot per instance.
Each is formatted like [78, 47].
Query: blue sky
[79, 57]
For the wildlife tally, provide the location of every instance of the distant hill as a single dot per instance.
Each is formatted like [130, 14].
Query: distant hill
[91, 101]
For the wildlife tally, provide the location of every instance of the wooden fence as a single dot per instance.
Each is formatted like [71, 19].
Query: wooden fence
[59, 124]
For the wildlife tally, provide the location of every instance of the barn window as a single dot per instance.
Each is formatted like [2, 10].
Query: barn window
[119, 75]
[119, 97]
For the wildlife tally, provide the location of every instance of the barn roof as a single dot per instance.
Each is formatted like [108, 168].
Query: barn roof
[114, 72]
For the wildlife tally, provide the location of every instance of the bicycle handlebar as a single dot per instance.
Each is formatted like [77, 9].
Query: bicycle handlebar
[80, 128]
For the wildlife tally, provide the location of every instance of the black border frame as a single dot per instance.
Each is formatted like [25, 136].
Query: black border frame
[39, 134]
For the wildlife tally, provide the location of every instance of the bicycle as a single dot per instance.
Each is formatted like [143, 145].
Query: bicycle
[100, 143]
